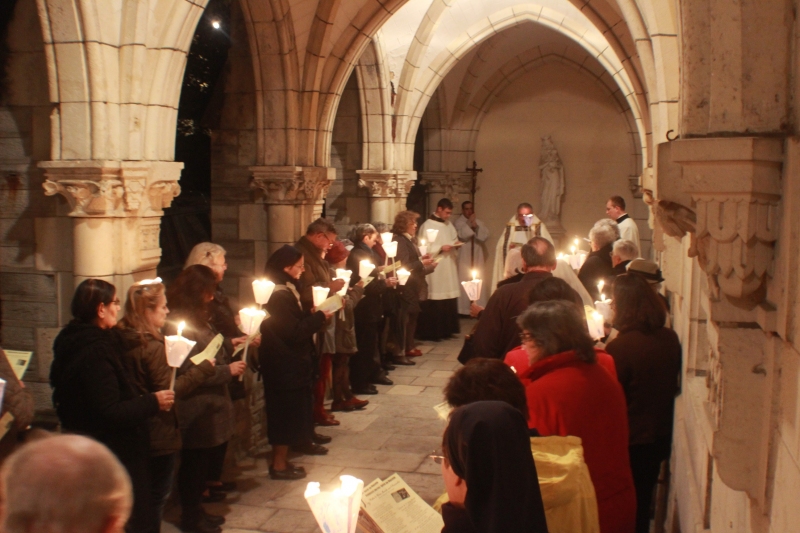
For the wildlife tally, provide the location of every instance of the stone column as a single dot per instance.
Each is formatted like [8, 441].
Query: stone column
[294, 197]
[116, 208]
[388, 190]
[735, 189]
[457, 186]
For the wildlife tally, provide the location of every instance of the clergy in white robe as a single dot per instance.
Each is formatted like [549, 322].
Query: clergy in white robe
[628, 230]
[439, 317]
[519, 230]
[473, 233]
[514, 266]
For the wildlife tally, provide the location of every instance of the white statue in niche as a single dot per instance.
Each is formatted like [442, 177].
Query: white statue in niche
[552, 171]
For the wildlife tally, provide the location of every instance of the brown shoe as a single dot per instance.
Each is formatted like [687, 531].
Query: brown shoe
[413, 353]
[342, 406]
[404, 361]
[355, 403]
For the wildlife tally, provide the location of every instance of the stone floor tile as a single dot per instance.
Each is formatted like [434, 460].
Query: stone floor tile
[439, 365]
[291, 521]
[431, 382]
[410, 426]
[404, 390]
[402, 380]
[408, 411]
[410, 371]
[417, 444]
[358, 440]
[441, 374]
[395, 461]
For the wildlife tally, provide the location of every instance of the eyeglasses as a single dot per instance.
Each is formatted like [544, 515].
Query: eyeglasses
[115, 301]
[437, 457]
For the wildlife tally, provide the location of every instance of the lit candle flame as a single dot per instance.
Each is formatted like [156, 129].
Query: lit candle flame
[474, 274]
[577, 242]
[600, 285]
[602, 297]
[181, 327]
[572, 249]
[422, 242]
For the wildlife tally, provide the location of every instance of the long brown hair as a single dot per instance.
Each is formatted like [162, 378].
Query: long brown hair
[637, 305]
[403, 220]
[142, 298]
[189, 292]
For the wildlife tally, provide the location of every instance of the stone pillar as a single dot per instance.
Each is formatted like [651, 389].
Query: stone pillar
[457, 186]
[388, 190]
[294, 197]
[735, 189]
[116, 208]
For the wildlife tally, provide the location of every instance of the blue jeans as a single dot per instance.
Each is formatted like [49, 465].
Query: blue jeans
[162, 473]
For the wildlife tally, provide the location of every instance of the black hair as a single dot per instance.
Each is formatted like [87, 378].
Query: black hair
[444, 203]
[88, 297]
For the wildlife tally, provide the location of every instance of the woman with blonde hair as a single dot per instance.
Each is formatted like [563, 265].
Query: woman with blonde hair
[146, 359]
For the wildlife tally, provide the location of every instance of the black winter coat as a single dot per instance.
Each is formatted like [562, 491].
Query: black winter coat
[370, 308]
[93, 393]
[287, 354]
[416, 287]
[597, 267]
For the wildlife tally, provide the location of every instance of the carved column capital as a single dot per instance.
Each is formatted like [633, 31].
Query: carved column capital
[734, 184]
[293, 185]
[450, 184]
[387, 183]
[113, 188]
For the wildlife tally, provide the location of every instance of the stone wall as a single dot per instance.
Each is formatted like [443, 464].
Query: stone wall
[35, 238]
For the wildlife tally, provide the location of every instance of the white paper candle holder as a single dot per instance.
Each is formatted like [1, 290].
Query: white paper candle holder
[595, 322]
[344, 275]
[402, 276]
[320, 294]
[473, 289]
[387, 237]
[577, 259]
[251, 320]
[336, 511]
[262, 290]
[423, 248]
[603, 307]
[390, 248]
[431, 234]
[365, 268]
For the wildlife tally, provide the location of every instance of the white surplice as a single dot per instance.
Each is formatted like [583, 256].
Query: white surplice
[443, 283]
[515, 237]
[629, 231]
[465, 258]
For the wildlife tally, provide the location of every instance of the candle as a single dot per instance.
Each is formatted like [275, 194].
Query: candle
[386, 237]
[431, 234]
[474, 274]
[336, 511]
[422, 248]
[365, 268]
[177, 348]
[402, 276]
[390, 248]
[572, 249]
[473, 289]
[603, 306]
[595, 323]
[600, 285]
[148, 281]
[251, 319]
[577, 242]
[319, 294]
[262, 289]
[345, 275]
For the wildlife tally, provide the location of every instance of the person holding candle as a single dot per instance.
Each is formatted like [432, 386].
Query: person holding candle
[473, 233]
[95, 395]
[206, 413]
[145, 314]
[365, 366]
[439, 312]
[648, 358]
[287, 360]
[346, 343]
[320, 236]
[598, 264]
[622, 253]
[521, 228]
[416, 288]
[569, 393]
[391, 329]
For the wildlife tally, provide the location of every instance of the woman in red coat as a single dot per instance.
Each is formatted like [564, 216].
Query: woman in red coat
[570, 394]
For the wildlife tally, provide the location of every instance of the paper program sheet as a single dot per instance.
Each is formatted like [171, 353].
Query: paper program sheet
[396, 508]
[19, 361]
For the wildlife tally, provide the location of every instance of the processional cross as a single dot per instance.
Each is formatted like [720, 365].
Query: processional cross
[474, 171]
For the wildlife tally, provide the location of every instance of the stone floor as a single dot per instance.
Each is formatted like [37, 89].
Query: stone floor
[395, 433]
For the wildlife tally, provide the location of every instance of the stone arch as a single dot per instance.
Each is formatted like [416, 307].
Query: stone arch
[410, 107]
[117, 90]
[376, 108]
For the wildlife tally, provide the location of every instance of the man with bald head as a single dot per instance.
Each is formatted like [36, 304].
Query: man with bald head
[64, 483]
[497, 332]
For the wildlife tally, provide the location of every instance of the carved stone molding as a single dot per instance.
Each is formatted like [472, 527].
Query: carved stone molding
[449, 184]
[735, 186]
[113, 188]
[293, 185]
[387, 183]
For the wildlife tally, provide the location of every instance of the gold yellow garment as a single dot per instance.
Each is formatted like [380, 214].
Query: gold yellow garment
[567, 491]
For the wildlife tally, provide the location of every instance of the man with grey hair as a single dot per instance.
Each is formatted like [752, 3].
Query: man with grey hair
[622, 253]
[497, 332]
[598, 265]
[64, 484]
